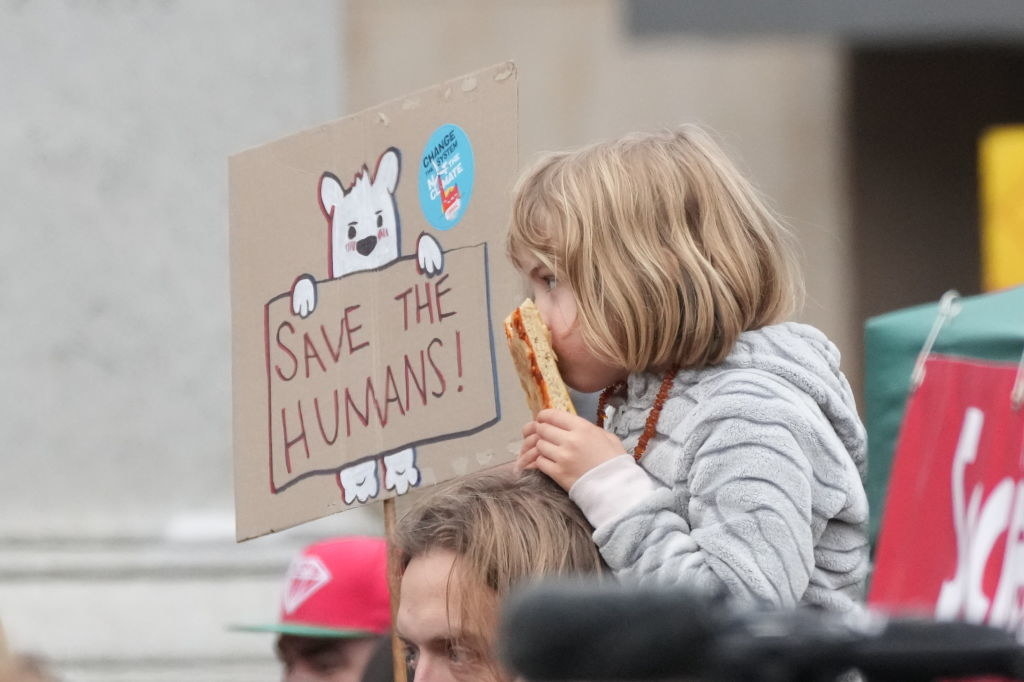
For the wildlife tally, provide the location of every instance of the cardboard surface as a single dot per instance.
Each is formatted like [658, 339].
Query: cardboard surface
[368, 287]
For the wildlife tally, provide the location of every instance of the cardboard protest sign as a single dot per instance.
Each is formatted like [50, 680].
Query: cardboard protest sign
[951, 543]
[368, 286]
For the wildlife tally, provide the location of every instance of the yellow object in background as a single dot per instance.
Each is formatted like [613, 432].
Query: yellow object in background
[1001, 178]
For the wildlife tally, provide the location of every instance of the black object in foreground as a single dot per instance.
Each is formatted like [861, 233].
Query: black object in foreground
[583, 631]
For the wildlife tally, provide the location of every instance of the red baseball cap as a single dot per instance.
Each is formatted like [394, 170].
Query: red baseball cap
[335, 588]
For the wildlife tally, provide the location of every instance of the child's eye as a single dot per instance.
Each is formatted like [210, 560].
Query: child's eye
[550, 282]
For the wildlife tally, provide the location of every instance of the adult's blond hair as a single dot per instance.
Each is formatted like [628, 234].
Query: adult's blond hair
[670, 251]
[504, 529]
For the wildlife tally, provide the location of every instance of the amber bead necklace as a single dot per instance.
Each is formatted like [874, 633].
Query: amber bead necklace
[652, 418]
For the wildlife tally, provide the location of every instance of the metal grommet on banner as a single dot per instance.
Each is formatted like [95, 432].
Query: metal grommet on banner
[949, 307]
[1017, 394]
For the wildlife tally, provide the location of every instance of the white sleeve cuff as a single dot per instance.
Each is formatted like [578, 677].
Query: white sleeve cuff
[609, 489]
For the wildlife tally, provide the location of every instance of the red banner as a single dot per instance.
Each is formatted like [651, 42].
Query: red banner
[952, 540]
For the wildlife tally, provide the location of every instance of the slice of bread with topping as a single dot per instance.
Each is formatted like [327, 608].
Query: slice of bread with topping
[529, 342]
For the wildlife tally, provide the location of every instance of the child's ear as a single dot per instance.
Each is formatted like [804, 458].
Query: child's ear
[330, 193]
[387, 169]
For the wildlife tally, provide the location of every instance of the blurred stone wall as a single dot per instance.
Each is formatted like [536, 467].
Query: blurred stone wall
[117, 553]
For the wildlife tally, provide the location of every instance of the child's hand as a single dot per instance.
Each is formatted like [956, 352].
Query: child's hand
[565, 446]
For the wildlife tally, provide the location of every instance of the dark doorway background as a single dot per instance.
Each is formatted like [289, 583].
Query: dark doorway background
[916, 115]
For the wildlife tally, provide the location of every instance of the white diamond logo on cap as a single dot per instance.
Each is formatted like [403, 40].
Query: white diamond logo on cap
[306, 575]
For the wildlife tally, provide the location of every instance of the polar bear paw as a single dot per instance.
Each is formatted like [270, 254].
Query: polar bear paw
[359, 481]
[400, 471]
[304, 296]
[429, 257]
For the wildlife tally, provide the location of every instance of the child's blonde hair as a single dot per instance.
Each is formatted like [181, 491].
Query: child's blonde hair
[670, 251]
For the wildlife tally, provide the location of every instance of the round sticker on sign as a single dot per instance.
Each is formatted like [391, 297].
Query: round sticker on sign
[447, 171]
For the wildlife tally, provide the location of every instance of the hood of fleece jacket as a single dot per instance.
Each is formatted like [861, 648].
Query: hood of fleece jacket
[804, 357]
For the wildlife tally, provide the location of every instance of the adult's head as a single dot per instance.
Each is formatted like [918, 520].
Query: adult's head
[461, 550]
[334, 610]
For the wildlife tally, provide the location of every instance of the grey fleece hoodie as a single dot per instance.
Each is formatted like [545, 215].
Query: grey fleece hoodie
[752, 481]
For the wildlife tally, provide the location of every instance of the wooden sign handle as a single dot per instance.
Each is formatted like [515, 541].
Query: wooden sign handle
[394, 585]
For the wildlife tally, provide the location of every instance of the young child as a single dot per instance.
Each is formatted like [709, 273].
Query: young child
[734, 457]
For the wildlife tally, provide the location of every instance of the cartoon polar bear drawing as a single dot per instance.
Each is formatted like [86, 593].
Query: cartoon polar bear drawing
[364, 233]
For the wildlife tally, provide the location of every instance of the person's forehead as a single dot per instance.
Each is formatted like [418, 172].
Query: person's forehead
[531, 264]
[302, 646]
[430, 593]
[537, 247]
